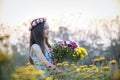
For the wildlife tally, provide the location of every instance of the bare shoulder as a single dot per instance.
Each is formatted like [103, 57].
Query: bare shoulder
[36, 47]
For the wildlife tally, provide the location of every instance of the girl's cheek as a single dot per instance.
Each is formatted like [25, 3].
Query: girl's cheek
[46, 31]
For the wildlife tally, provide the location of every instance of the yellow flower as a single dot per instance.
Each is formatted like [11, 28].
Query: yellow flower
[106, 68]
[96, 59]
[85, 66]
[113, 61]
[56, 79]
[48, 78]
[85, 69]
[59, 64]
[66, 64]
[81, 57]
[73, 66]
[102, 58]
[4, 36]
[27, 73]
[15, 76]
[92, 65]
[74, 55]
[83, 51]
[95, 69]
[31, 67]
[78, 50]
[93, 77]
[39, 72]
[78, 70]
[81, 67]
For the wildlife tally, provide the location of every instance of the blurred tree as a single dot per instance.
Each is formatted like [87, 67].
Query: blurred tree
[63, 33]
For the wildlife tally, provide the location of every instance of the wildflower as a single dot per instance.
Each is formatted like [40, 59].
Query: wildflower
[81, 57]
[15, 76]
[78, 70]
[102, 58]
[85, 66]
[66, 64]
[68, 50]
[84, 51]
[95, 69]
[85, 69]
[39, 72]
[56, 79]
[106, 68]
[91, 65]
[73, 66]
[48, 78]
[93, 77]
[78, 50]
[59, 64]
[96, 59]
[31, 67]
[74, 55]
[73, 45]
[4, 36]
[81, 67]
[113, 61]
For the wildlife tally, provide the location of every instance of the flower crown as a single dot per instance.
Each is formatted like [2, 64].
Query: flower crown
[36, 22]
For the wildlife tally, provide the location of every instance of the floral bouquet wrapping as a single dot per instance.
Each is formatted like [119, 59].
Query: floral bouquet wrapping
[67, 51]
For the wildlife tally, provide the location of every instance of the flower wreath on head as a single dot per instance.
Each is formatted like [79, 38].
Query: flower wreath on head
[36, 22]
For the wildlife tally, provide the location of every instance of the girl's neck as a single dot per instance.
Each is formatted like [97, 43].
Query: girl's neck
[44, 41]
[45, 45]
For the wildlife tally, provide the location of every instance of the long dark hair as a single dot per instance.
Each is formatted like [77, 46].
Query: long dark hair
[37, 37]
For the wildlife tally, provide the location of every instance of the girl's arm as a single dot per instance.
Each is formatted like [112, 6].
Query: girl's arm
[38, 52]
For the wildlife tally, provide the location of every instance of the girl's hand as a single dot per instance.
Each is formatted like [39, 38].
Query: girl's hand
[52, 68]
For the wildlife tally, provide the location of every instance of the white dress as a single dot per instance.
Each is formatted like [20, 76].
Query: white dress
[37, 61]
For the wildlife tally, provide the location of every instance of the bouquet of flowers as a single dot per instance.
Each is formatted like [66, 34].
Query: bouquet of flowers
[67, 51]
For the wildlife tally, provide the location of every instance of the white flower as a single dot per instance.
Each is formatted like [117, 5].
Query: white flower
[38, 21]
[34, 24]
[41, 20]
[67, 42]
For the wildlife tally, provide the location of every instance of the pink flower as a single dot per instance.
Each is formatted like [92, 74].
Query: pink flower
[73, 45]
[34, 24]
[41, 20]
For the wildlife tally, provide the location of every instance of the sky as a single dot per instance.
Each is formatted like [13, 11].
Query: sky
[14, 12]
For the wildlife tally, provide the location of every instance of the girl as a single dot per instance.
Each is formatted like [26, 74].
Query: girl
[39, 46]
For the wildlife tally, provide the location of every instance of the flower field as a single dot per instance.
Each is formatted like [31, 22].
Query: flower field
[99, 70]
[100, 63]
[69, 72]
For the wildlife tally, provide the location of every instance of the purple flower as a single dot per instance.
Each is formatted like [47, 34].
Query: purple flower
[61, 43]
[65, 44]
[73, 45]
